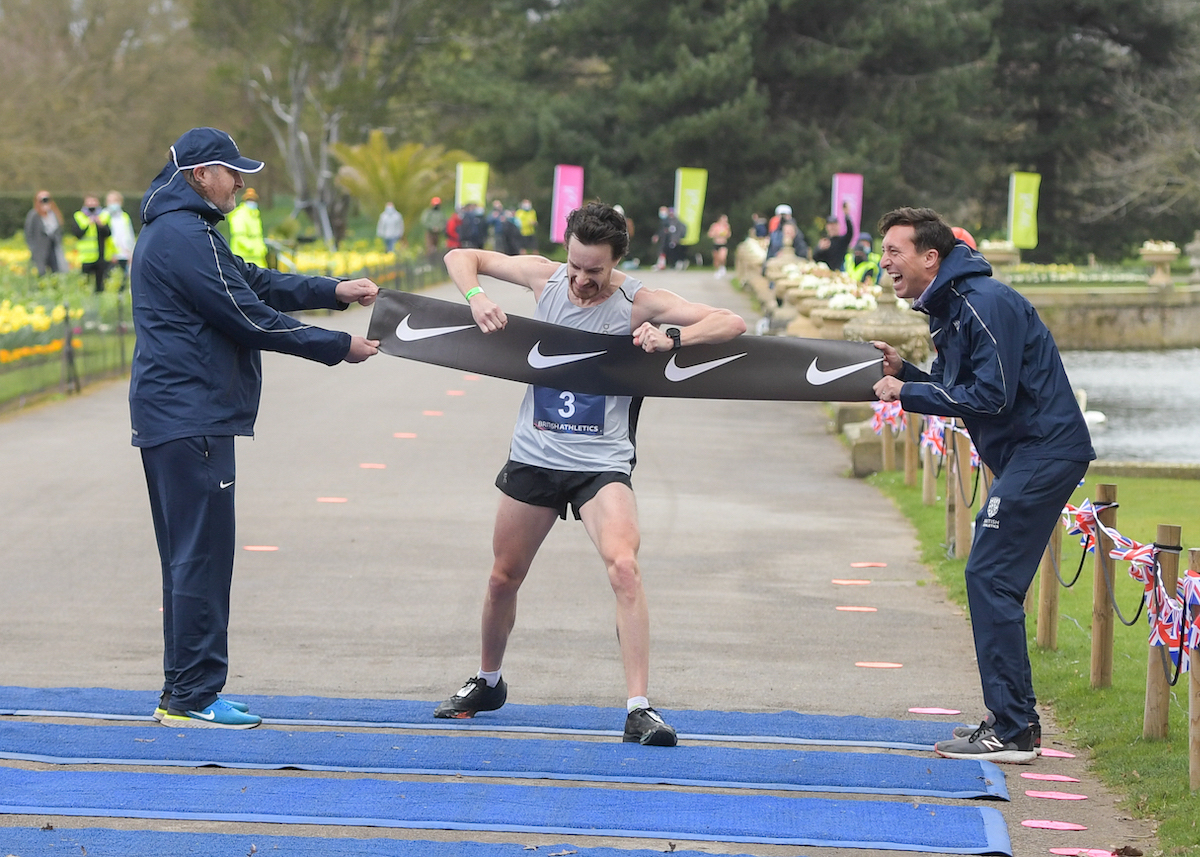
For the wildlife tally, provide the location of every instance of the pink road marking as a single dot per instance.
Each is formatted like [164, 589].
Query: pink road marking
[1057, 754]
[260, 548]
[1082, 852]
[858, 609]
[431, 413]
[456, 392]
[373, 466]
[470, 377]
[1052, 778]
[878, 665]
[868, 565]
[946, 711]
[405, 434]
[332, 500]
[1052, 825]
[838, 581]
[1055, 795]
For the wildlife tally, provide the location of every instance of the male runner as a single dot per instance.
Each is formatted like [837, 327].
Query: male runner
[575, 448]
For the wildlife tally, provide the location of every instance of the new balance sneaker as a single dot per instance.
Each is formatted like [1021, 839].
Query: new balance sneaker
[646, 726]
[984, 744]
[473, 697]
[220, 715]
[990, 723]
[161, 711]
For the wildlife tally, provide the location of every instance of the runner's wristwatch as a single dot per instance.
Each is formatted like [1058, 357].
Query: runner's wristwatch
[673, 332]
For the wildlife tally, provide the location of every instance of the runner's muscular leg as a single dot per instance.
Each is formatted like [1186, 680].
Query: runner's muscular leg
[520, 530]
[610, 519]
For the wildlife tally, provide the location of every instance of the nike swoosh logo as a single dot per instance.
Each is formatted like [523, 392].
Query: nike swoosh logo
[819, 377]
[210, 715]
[408, 334]
[675, 372]
[538, 360]
[225, 485]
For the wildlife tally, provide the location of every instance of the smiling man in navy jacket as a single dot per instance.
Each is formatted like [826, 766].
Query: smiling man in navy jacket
[202, 316]
[997, 369]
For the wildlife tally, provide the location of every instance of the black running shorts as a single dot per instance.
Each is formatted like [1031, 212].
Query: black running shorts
[541, 486]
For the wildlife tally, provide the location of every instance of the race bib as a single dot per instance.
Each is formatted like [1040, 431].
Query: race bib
[565, 412]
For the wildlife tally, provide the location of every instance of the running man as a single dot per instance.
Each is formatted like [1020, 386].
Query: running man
[557, 458]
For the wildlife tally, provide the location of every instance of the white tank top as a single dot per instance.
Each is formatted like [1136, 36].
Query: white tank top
[580, 432]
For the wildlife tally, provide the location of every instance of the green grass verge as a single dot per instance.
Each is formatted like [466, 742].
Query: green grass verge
[1152, 775]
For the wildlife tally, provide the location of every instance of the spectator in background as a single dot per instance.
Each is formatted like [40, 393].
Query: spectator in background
[433, 221]
[758, 226]
[527, 217]
[832, 246]
[495, 222]
[121, 235]
[453, 223]
[675, 232]
[472, 232]
[390, 227]
[508, 239]
[90, 226]
[786, 234]
[720, 233]
[246, 231]
[44, 227]
[964, 236]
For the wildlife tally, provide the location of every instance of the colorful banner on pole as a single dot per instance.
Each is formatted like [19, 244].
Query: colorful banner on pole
[1022, 209]
[470, 183]
[847, 189]
[780, 368]
[691, 183]
[568, 196]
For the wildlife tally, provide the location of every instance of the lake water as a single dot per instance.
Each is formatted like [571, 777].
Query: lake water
[1150, 399]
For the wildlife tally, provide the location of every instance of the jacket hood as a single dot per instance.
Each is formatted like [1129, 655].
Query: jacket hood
[961, 262]
[170, 192]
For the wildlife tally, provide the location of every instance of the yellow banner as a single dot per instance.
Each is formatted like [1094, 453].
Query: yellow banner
[690, 185]
[1022, 209]
[470, 183]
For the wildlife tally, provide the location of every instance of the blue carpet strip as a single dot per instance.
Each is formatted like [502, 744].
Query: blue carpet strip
[481, 756]
[786, 727]
[103, 842]
[467, 805]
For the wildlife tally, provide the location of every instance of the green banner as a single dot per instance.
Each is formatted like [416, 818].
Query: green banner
[690, 185]
[470, 183]
[1022, 209]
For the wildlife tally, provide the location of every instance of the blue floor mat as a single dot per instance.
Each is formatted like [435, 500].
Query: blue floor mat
[481, 756]
[788, 727]
[467, 805]
[103, 842]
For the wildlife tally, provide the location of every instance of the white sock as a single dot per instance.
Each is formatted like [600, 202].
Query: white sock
[492, 678]
[636, 702]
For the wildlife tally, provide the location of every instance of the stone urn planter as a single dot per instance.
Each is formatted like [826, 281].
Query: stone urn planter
[830, 322]
[1001, 254]
[1160, 254]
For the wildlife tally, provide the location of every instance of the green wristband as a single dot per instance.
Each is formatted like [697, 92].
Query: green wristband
[478, 290]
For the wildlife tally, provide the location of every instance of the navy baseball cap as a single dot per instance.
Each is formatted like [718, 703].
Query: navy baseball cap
[202, 147]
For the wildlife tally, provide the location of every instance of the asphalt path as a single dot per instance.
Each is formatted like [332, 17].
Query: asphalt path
[747, 517]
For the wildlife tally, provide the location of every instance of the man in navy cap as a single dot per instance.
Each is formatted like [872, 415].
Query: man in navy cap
[202, 316]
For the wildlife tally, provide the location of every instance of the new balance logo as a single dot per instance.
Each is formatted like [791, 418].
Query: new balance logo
[992, 743]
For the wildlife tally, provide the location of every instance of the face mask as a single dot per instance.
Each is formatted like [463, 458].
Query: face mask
[251, 204]
[526, 206]
[115, 208]
[89, 209]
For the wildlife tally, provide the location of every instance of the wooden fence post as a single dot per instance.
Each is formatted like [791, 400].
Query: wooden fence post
[962, 503]
[1158, 689]
[887, 442]
[1047, 619]
[928, 477]
[912, 446]
[1194, 697]
[1102, 583]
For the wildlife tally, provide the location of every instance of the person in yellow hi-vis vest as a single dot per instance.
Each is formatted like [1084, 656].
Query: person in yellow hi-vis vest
[246, 232]
[527, 218]
[90, 226]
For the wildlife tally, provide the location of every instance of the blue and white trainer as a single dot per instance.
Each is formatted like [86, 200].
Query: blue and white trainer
[222, 714]
[161, 711]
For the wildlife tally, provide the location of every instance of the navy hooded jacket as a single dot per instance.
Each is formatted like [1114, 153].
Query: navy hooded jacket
[997, 368]
[202, 315]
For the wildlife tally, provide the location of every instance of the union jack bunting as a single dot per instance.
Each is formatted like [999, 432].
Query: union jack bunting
[1084, 526]
[1163, 613]
[967, 435]
[888, 413]
[934, 434]
[1189, 598]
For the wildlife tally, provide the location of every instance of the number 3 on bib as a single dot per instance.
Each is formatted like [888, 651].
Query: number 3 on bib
[564, 412]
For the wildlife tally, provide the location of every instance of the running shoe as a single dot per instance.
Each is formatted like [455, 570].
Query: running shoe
[983, 744]
[473, 697]
[220, 715]
[990, 722]
[161, 711]
[646, 726]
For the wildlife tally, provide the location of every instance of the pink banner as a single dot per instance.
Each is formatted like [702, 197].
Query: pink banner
[568, 196]
[847, 188]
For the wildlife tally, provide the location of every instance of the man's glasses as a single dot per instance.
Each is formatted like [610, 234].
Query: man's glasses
[44, 199]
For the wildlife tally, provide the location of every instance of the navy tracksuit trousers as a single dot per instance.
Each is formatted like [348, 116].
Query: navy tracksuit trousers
[1011, 531]
[191, 500]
